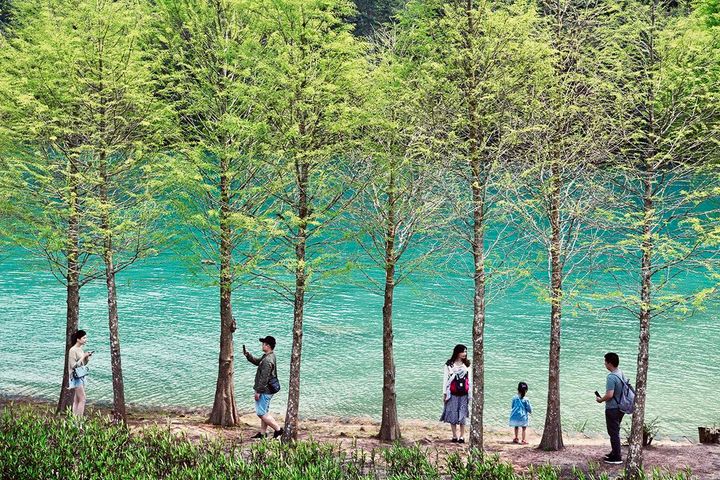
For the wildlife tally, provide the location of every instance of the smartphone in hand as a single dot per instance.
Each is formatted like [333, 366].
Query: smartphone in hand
[597, 394]
[244, 349]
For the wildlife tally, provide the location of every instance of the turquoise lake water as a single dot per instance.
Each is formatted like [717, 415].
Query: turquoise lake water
[170, 329]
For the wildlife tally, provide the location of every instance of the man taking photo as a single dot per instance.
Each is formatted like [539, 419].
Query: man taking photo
[266, 385]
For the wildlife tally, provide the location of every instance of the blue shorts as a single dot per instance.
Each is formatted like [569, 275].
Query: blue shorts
[262, 406]
[74, 383]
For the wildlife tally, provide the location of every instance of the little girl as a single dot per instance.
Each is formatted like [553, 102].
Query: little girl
[519, 410]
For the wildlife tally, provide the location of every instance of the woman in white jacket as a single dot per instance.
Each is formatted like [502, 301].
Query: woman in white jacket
[456, 392]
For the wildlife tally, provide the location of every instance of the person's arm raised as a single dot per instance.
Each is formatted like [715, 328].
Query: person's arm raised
[251, 359]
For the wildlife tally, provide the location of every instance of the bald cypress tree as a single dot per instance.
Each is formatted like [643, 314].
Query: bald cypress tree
[665, 177]
[314, 70]
[225, 190]
[88, 82]
[482, 61]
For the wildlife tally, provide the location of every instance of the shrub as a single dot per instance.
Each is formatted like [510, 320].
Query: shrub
[38, 445]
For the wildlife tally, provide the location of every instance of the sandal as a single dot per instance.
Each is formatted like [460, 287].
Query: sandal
[523, 442]
[515, 440]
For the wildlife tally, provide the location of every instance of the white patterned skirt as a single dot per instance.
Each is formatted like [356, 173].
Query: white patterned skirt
[456, 410]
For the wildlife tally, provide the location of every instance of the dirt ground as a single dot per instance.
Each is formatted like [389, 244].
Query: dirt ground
[581, 450]
[358, 433]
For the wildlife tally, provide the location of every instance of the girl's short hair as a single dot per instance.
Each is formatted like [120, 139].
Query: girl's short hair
[459, 348]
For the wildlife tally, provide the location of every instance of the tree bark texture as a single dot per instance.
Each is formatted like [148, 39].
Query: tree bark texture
[72, 318]
[478, 328]
[634, 461]
[478, 184]
[119, 413]
[552, 434]
[389, 426]
[224, 411]
[293, 402]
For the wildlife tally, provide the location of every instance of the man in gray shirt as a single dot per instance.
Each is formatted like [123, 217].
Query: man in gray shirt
[613, 415]
[266, 371]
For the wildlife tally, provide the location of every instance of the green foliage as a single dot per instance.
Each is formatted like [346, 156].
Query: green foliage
[650, 430]
[479, 466]
[709, 12]
[222, 183]
[408, 463]
[40, 446]
[401, 211]
[561, 143]
[481, 68]
[81, 118]
[663, 82]
[314, 70]
[37, 445]
[655, 474]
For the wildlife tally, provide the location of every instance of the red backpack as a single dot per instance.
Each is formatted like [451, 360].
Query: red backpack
[459, 386]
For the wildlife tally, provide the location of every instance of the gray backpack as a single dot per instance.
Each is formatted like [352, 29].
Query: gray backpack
[626, 398]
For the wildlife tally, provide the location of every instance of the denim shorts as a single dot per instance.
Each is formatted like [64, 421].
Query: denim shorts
[74, 382]
[262, 406]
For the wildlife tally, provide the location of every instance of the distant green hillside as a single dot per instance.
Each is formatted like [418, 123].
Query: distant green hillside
[373, 13]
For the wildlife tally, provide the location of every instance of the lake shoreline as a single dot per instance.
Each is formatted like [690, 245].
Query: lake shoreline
[182, 411]
[353, 433]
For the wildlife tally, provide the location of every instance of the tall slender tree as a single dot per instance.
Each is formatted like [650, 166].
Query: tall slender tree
[400, 212]
[46, 180]
[485, 59]
[124, 127]
[314, 67]
[226, 192]
[665, 177]
[552, 193]
[104, 124]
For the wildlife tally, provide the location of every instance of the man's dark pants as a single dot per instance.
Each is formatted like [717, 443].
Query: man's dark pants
[613, 417]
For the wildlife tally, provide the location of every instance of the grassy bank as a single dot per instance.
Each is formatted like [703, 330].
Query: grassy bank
[37, 445]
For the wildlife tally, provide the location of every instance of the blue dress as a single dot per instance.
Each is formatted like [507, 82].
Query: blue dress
[520, 408]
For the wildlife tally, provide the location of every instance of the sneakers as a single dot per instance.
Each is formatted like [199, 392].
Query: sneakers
[612, 460]
[461, 440]
[454, 440]
[274, 435]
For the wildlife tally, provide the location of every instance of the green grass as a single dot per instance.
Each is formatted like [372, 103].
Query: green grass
[37, 445]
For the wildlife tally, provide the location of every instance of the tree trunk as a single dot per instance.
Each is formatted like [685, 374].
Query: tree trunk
[224, 411]
[389, 426]
[478, 328]
[552, 434]
[478, 184]
[293, 403]
[72, 319]
[119, 414]
[634, 461]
